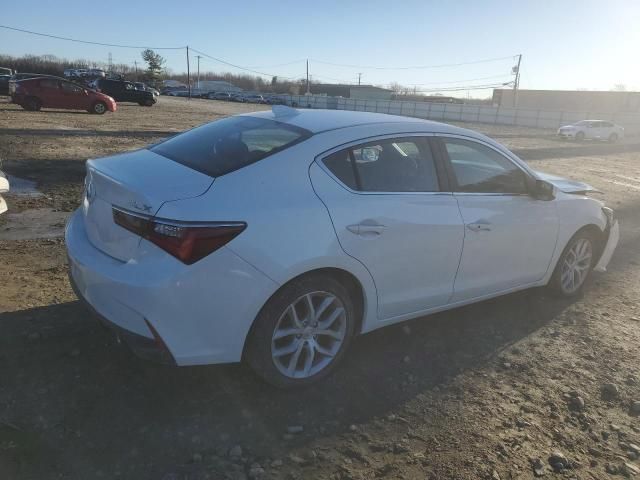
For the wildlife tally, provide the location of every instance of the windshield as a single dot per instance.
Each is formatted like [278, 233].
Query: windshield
[229, 144]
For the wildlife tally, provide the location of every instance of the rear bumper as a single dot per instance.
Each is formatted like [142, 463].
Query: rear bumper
[201, 313]
[143, 347]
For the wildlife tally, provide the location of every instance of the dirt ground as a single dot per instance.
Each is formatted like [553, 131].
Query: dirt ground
[504, 389]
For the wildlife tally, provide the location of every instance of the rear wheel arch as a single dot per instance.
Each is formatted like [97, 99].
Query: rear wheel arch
[344, 277]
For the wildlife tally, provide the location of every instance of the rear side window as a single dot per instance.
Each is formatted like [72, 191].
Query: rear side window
[229, 144]
[394, 165]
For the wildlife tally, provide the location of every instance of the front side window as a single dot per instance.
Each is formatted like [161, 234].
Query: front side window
[229, 144]
[48, 83]
[71, 88]
[394, 165]
[480, 169]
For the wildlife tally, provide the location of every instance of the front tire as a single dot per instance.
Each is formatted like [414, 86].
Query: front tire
[302, 333]
[613, 138]
[99, 108]
[148, 103]
[574, 265]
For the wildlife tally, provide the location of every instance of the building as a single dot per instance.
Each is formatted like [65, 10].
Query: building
[362, 92]
[570, 100]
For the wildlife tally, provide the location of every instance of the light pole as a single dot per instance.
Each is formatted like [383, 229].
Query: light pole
[198, 81]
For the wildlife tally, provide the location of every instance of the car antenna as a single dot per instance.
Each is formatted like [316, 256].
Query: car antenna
[284, 111]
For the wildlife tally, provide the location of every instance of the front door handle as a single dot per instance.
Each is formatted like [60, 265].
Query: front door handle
[479, 227]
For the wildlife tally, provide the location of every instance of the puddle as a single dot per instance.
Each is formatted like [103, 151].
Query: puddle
[21, 187]
[32, 224]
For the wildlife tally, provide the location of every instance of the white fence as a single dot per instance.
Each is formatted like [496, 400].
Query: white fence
[452, 112]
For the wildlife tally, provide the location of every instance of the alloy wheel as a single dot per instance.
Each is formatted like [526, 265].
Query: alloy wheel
[308, 335]
[576, 265]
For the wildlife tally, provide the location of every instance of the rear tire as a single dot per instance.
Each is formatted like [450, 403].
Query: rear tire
[613, 138]
[579, 136]
[575, 264]
[99, 108]
[293, 345]
[32, 104]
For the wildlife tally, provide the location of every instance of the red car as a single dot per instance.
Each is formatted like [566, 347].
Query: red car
[51, 92]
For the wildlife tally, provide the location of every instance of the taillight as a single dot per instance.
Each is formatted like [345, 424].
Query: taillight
[187, 241]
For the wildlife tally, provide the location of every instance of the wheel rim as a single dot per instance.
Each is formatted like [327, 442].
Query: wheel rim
[576, 265]
[308, 335]
[99, 108]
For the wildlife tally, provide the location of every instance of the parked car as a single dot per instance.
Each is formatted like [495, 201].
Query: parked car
[69, 72]
[220, 96]
[51, 92]
[254, 98]
[144, 86]
[237, 97]
[4, 188]
[276, 237]
[592, 130]
[123, 91]
[4, 84]
[96, 72]
[6, 71]
[275, 100]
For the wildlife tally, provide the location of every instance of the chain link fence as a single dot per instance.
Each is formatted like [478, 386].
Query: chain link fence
[452, 112]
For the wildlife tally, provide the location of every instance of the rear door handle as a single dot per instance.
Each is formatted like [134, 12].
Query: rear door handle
[366, 229]
[479, 227]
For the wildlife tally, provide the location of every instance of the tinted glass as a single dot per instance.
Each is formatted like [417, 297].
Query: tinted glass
[395, 165]
[340, 165]
[70, 87]
[399, 165]
[47, 83]
[480, 169]
[229, 144]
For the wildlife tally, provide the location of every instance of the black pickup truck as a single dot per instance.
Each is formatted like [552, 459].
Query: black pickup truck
[123, 91]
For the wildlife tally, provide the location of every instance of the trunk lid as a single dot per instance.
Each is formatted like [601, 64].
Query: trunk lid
[139, 181]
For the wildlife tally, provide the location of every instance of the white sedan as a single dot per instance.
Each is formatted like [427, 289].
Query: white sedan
[592, 130]
[276, 237]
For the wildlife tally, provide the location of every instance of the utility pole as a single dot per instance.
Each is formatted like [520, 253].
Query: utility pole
[135, 62]
[188, 74]
[359, 77]
[198, 82]
[516, 82]
[308, 76]
[110, 62]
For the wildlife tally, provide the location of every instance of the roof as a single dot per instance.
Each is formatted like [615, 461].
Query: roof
[317, 120]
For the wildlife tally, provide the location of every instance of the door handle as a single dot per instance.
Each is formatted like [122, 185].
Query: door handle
[366, 229]
[479, 227]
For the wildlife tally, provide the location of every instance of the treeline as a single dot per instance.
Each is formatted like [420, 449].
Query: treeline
[52, 65]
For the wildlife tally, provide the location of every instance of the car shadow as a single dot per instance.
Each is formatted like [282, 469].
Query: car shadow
[95, 389]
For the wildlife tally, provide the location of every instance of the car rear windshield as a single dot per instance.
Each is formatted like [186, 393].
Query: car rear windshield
[229, 144]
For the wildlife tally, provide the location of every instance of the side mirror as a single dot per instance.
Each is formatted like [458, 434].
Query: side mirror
[542, 190]
[85, 91]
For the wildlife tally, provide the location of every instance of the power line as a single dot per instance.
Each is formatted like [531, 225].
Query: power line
[415, 67]
[87, 41]
[462, 81]
[238, 66]
[466, 87]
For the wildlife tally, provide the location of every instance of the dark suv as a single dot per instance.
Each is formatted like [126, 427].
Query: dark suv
[123, 91]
